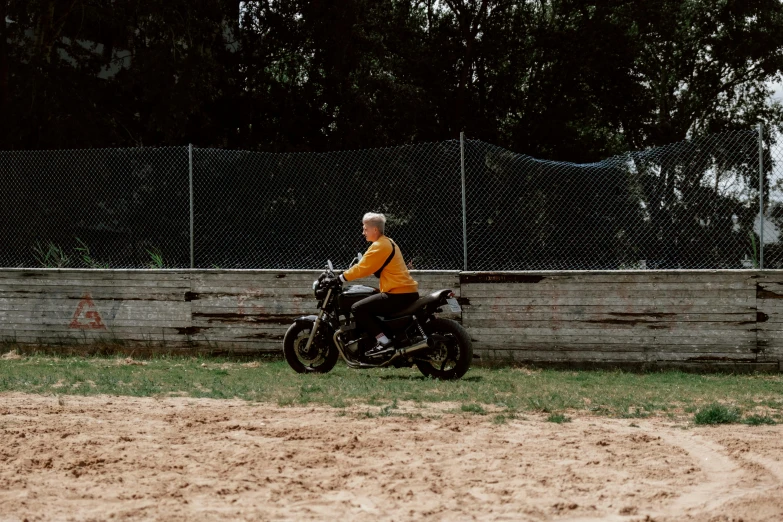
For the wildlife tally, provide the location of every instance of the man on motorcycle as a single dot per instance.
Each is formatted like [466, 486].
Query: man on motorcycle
[398, 289]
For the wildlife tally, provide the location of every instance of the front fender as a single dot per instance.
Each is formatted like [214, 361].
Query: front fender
[305, 320]
[309, 321]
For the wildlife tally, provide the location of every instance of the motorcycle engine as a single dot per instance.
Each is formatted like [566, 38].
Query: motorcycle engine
[356, 341]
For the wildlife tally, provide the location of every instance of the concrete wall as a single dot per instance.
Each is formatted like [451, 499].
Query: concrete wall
[701, 319]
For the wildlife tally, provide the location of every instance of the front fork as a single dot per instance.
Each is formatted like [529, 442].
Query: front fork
[317, 322]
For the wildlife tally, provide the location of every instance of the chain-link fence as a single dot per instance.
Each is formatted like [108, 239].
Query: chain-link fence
[693, 204]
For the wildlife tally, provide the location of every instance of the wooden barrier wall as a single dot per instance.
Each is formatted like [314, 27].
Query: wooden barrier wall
[697, 319]
[700, 319]
[215, 311]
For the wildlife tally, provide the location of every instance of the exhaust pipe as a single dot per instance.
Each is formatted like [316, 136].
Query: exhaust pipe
[415, 348]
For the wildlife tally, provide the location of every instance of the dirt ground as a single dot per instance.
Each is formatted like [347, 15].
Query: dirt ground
[115, 458]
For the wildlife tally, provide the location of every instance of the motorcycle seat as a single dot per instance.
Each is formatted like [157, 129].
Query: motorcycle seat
[411, 309]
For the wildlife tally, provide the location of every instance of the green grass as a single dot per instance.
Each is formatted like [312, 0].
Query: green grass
[499, 391]
[474, 408]
[758, 420]
[717, 414]
[558, 418]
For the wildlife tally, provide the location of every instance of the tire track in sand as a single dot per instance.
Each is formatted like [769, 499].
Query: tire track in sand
[723, 478]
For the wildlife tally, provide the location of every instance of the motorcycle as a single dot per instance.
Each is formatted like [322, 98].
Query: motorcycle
[439, 347]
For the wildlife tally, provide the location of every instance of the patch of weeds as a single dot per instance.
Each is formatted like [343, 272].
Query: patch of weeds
[338, 402]
[758, 420]
[156, 258]
[386, 411]
[86, 255]
[499, 419]
[633, 425]
[50, 255]
[537, 404]
[558, 418]
[716, 414]
[286, 401]
[635, 414]
[367, 415]
[473, 408]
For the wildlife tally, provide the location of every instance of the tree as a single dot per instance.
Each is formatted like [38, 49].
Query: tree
[705, 64]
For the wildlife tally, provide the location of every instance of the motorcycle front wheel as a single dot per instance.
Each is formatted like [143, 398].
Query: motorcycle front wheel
[319, 358]
[452, 353]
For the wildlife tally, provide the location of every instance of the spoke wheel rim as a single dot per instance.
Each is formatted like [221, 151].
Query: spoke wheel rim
[315, 357]
[444, 357]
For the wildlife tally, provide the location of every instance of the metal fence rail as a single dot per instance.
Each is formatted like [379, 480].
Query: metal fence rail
[459, 204]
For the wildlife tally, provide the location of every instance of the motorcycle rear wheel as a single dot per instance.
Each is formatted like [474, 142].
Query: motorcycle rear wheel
[320, 358]
[451, 359]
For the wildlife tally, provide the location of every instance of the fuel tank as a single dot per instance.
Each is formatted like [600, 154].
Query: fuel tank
[354, 293]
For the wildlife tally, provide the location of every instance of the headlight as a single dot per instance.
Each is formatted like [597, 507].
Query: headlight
[315, 287]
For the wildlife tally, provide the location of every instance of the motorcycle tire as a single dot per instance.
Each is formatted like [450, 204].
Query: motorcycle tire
[323, 354]
[462, 345]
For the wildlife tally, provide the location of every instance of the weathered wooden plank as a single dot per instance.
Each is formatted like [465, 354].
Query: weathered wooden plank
[747, 301]
[598, 356]
[611, 292]
[769, 290]
[106, 292]
[108, 309]
[605, 276]
[573, 329]
[102, 283]
[586, 314]
[488, 307]
[557, 346]
[240, 347]
[615, 294]
[86, 337]
[611, 287]
[55, 323]
[611, 336]
[93, 274]
[556, 324]
[115, 332]
[292, 279]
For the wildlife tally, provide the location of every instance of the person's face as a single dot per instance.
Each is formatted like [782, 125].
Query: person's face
[370, 232]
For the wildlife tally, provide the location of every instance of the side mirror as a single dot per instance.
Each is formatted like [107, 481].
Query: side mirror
[358, 257]
[329, 265]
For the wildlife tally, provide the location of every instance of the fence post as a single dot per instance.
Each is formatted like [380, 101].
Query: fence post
[761, 196]
[190, 176]
[464, 210]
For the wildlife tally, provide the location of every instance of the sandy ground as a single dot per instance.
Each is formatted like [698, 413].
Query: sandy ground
[115, 458]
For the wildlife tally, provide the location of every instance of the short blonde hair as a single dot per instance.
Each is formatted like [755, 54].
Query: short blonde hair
[375, 220]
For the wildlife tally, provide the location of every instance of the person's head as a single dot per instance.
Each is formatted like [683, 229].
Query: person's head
[374, 226]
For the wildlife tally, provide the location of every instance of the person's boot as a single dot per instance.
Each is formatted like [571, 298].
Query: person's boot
[380, 348]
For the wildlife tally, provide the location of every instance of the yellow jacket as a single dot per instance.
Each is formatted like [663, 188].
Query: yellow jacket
[395, 278]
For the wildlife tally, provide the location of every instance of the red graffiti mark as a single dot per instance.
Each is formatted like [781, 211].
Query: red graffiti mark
[86, 316]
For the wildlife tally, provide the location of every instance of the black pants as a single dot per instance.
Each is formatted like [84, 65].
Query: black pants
[366, 311]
